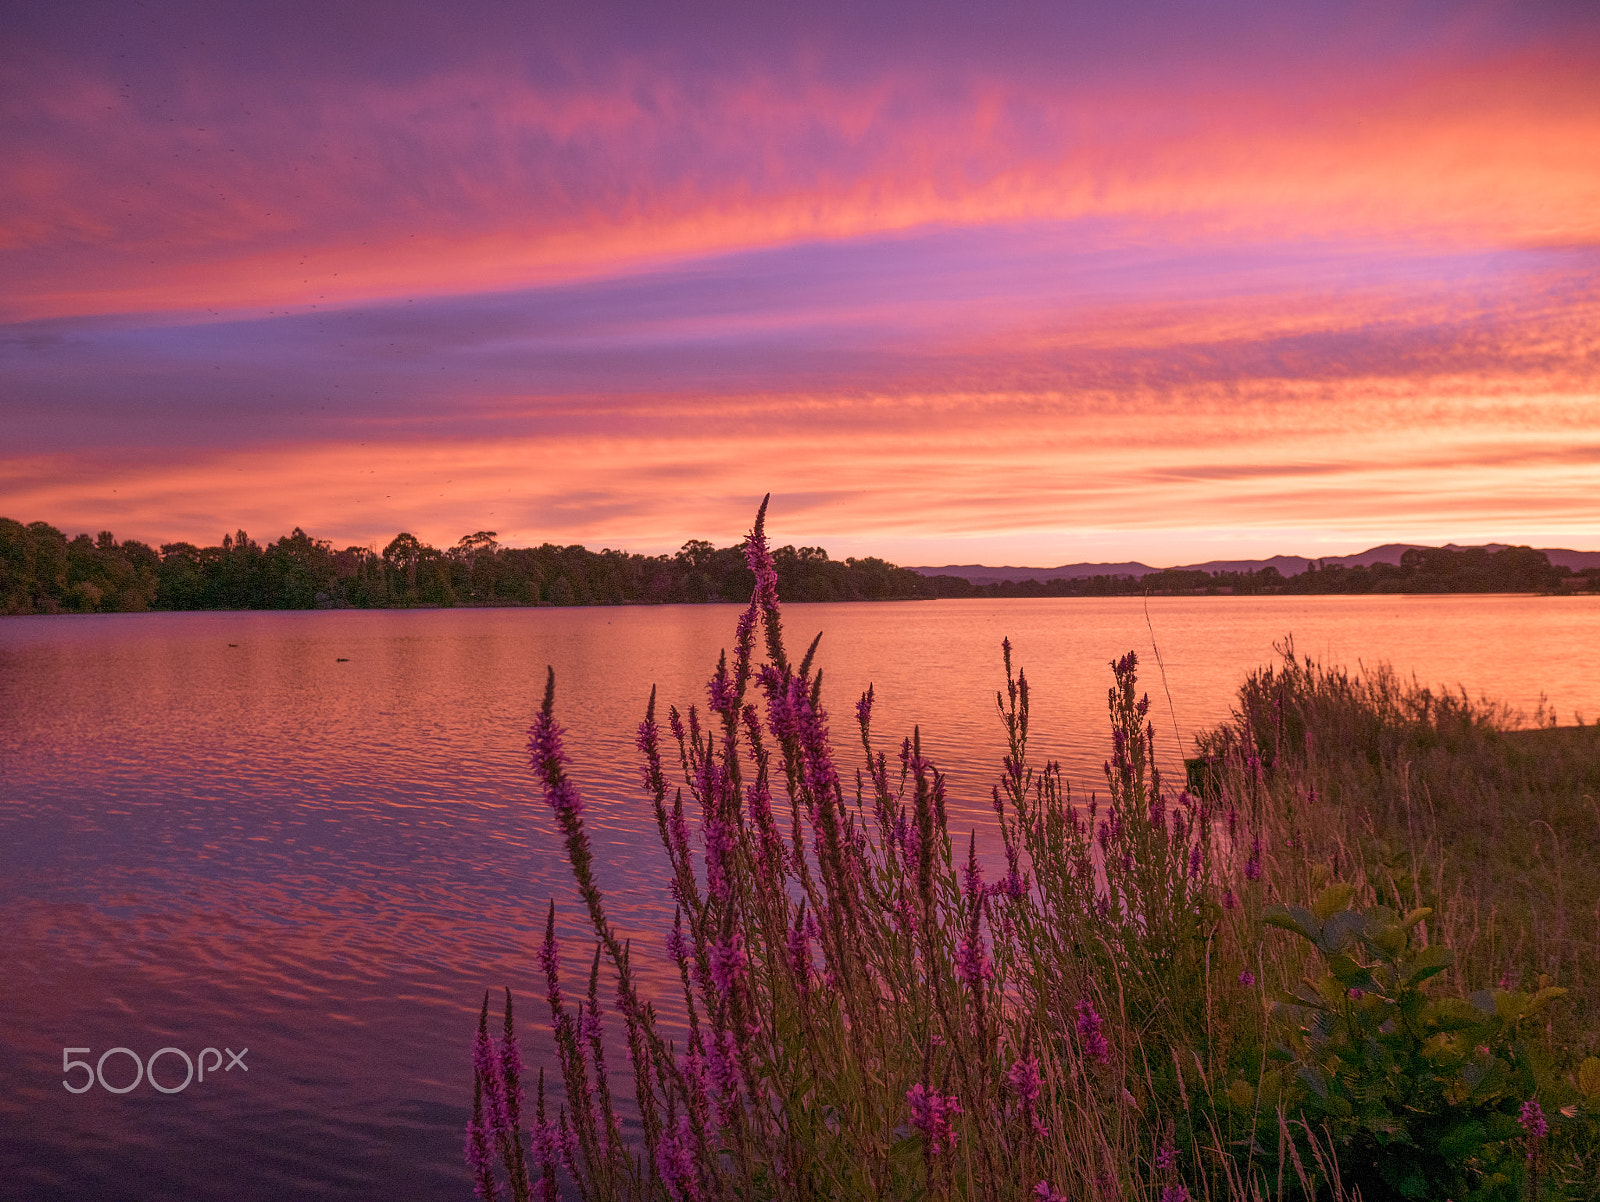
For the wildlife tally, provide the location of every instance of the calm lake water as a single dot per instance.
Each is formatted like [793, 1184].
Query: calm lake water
[313, 835]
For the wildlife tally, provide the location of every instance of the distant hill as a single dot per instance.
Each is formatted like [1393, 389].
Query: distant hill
[1287, 565]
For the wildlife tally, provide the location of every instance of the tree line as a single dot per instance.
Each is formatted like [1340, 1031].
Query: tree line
[1420, 570]
[43, 571]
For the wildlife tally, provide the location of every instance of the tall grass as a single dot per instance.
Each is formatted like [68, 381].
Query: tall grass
[1230, 993]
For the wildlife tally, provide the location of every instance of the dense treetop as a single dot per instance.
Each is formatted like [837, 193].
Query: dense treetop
[43, 571]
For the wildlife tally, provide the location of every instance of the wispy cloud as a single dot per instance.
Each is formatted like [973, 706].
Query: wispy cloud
[1014, 273]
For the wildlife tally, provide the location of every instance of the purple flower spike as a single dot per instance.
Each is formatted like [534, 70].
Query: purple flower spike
[800, 957]
[1532, 1119]
[1175, 1193]
[677, 945]
[972, 960]
[479, 1159]
[730, 964]
[1166, 1155]
[548, 758]
[719, 846]
[1090, 1034]
[1023, 1078]
[1044, 1193]
[675, 1161]
[1247, 978]
[932, 1114]
[972, 874]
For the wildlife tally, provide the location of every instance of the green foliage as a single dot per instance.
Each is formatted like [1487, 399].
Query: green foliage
[41, 571]
[1419, 1090]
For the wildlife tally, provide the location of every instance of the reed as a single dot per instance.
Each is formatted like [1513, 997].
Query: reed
[1240, 991]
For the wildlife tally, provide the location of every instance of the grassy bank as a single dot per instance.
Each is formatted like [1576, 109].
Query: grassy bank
[1431, 799]
[1357, 959]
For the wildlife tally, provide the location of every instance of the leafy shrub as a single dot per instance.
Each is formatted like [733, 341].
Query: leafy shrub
[1424, 1096]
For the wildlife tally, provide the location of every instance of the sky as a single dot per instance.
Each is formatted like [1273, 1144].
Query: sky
[1026, 283]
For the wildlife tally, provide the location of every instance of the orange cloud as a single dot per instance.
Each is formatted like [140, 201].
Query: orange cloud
[339, 193]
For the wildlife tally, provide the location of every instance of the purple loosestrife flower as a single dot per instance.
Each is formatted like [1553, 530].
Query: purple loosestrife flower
[719, 845]
[677, 945]
[1090, 1034]
[799, 951]
[479, 1159]
[1252, 866]
[1023, 1079]
[549, 759]
[1175, 1193]
[1229, 901]
[972, 960]
[550, 959]
[1015, 884]
[931, 1114]
[864, 708]
[1532, 1119]
[1194, 861]
[511, 1097]
[694, 1073]
[722, 695]
[972, 874]
[567, 1142]
[1247, 978]
[906, 909]
[546, 1147]
[590, 1024]
[485, 1065]
[678, 832]
[1166, 1155]
[483, 1128]
[729, 964]
[722, 1065]
[1044, 1193]
[675, 1161]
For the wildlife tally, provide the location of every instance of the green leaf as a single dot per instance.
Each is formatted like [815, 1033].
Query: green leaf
[1462, 1141]
[1297, 919]
[1589, 1077]
[1414, 917]
[1348, 972]
[1332, 899]
[1341, 931]
[1544, 997]
[1431, 960]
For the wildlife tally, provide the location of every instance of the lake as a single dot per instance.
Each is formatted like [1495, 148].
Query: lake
[314, 835]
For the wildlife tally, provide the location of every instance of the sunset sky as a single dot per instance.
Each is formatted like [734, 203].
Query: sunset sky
[956, 282]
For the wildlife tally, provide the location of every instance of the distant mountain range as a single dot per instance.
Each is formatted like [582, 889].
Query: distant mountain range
[1287, 565]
